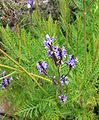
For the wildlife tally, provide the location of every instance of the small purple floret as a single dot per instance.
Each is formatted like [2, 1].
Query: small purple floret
[30, 3]
[6, 82]
[3, 85]
[48, 38]
[48, 41]
[50, 53]
[60, 53]
[62, 98]
[63, 80]
[41, 67]
[45, 65]
[57, 52]
[64, 52]
[72, 61]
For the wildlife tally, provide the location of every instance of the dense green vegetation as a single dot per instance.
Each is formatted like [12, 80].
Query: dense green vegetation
[32, 95]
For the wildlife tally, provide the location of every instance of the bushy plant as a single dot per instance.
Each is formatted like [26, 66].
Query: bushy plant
[37, 96]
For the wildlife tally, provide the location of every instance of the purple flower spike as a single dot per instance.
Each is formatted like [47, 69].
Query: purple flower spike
[72, 61]
[6, 82]
[30, 3]
[62, 98]
[41, 67]
[63, 80]
[54, 52]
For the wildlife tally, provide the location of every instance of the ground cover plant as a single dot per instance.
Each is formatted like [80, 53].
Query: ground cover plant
[49, 70]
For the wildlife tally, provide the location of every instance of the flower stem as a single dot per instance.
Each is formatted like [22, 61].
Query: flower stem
[85, 38]
[60, 87]
[68, 72]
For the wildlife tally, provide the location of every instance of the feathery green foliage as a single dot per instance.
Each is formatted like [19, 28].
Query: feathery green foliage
[33, 95]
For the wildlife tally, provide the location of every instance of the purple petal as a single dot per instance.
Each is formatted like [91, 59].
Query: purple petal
[30, 3]
[3, 85]
[9, 79]
[57, 52]
[46, 44]
[64, 52]
[63, 80]
[41, 67]
[62, 98]
[72, 61]
[45, 65]
[38, 66]
[6, 81]
[48, 41]
[50, 53]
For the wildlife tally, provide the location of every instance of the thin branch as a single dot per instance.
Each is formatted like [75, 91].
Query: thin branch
[85, 38]
[23, 69]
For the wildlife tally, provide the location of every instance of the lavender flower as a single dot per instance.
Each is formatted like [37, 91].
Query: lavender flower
[57, 52]
[48, 41]
[62, 98]
[50, 53]
[63, 80]
[30, 3]
[41, 67]
[6, 82]
[64, 52]
[54, 52]
[60, 53]
[72, 61]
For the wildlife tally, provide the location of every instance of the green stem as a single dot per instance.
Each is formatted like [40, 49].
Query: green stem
[41, 77]
[19, 42]
[67, 85]
[85, 39]
[85, 54]
[7, 75]
[8, 67]
[60, 87]
[15, 69]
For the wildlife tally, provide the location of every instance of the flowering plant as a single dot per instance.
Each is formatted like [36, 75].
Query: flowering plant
[57, 55]
[42, 97]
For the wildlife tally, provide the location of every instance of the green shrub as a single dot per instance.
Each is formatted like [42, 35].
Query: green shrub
[33, 95]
